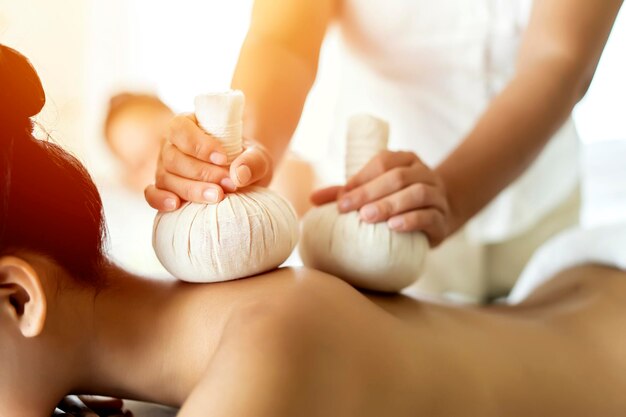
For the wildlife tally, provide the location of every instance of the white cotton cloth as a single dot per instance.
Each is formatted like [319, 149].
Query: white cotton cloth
[249, 232]
[431, 68]
[221, 115]
[604, 245]
[368, 256]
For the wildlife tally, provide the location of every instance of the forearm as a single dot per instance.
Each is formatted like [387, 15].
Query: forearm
[276, 82]
[277, 67]
[557, 59]
[509, 136]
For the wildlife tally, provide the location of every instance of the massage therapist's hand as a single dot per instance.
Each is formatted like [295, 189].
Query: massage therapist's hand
[398, 188]
[192, 167]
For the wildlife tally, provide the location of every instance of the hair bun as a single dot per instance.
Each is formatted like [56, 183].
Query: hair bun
[21, 92]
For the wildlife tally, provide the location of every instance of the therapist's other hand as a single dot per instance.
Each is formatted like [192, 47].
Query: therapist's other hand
[397, 188]
[192, 167]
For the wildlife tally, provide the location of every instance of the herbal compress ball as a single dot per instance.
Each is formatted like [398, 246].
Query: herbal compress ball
[249, 232]
[368, 256]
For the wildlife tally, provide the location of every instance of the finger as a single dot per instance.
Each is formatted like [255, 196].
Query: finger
[176, 162]
[73, 405]
[429, 221]
[190, 190]
[98, 403]
[326, 195]
[186, 135]
[414, 197]
[161, 200]
[386, 184]
[254, 165]
[381, 163]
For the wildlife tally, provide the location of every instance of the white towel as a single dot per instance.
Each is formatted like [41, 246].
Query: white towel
[604, 245]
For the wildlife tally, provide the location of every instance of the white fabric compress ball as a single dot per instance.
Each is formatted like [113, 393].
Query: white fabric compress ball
[251, 231]
[247, 233]
[368, 256]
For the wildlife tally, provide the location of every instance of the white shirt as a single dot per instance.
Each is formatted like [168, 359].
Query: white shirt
[431, 68]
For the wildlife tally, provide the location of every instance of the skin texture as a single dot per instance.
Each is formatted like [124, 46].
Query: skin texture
[300, 342]
[278, 64]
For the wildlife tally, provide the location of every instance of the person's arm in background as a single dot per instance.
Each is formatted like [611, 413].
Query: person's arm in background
[276, 69]
[559, 54]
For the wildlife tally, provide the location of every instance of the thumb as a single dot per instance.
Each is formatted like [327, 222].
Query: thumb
[253, 166]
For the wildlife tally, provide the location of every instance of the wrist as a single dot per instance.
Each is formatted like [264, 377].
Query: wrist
[454, 218]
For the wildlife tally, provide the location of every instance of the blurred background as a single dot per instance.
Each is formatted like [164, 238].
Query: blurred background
[88, 50]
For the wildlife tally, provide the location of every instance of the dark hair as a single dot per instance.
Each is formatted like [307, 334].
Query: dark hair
[48, 202]
[124, 101]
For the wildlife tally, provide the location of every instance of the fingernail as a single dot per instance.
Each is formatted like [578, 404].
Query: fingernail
[395, 223]
[243, 174]
[369, 212]
[345, 204]
[218, 158]
[169, 203]
[210, 195]
[228, 184]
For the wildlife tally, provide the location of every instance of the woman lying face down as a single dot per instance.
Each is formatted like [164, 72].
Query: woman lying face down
[290, 342]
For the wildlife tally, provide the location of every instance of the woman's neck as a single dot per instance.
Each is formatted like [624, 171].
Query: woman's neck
[54, 363]
[106, 341]
[134, 338]
[129, 356]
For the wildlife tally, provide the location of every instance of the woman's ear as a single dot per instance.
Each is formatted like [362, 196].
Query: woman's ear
[22, 297]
